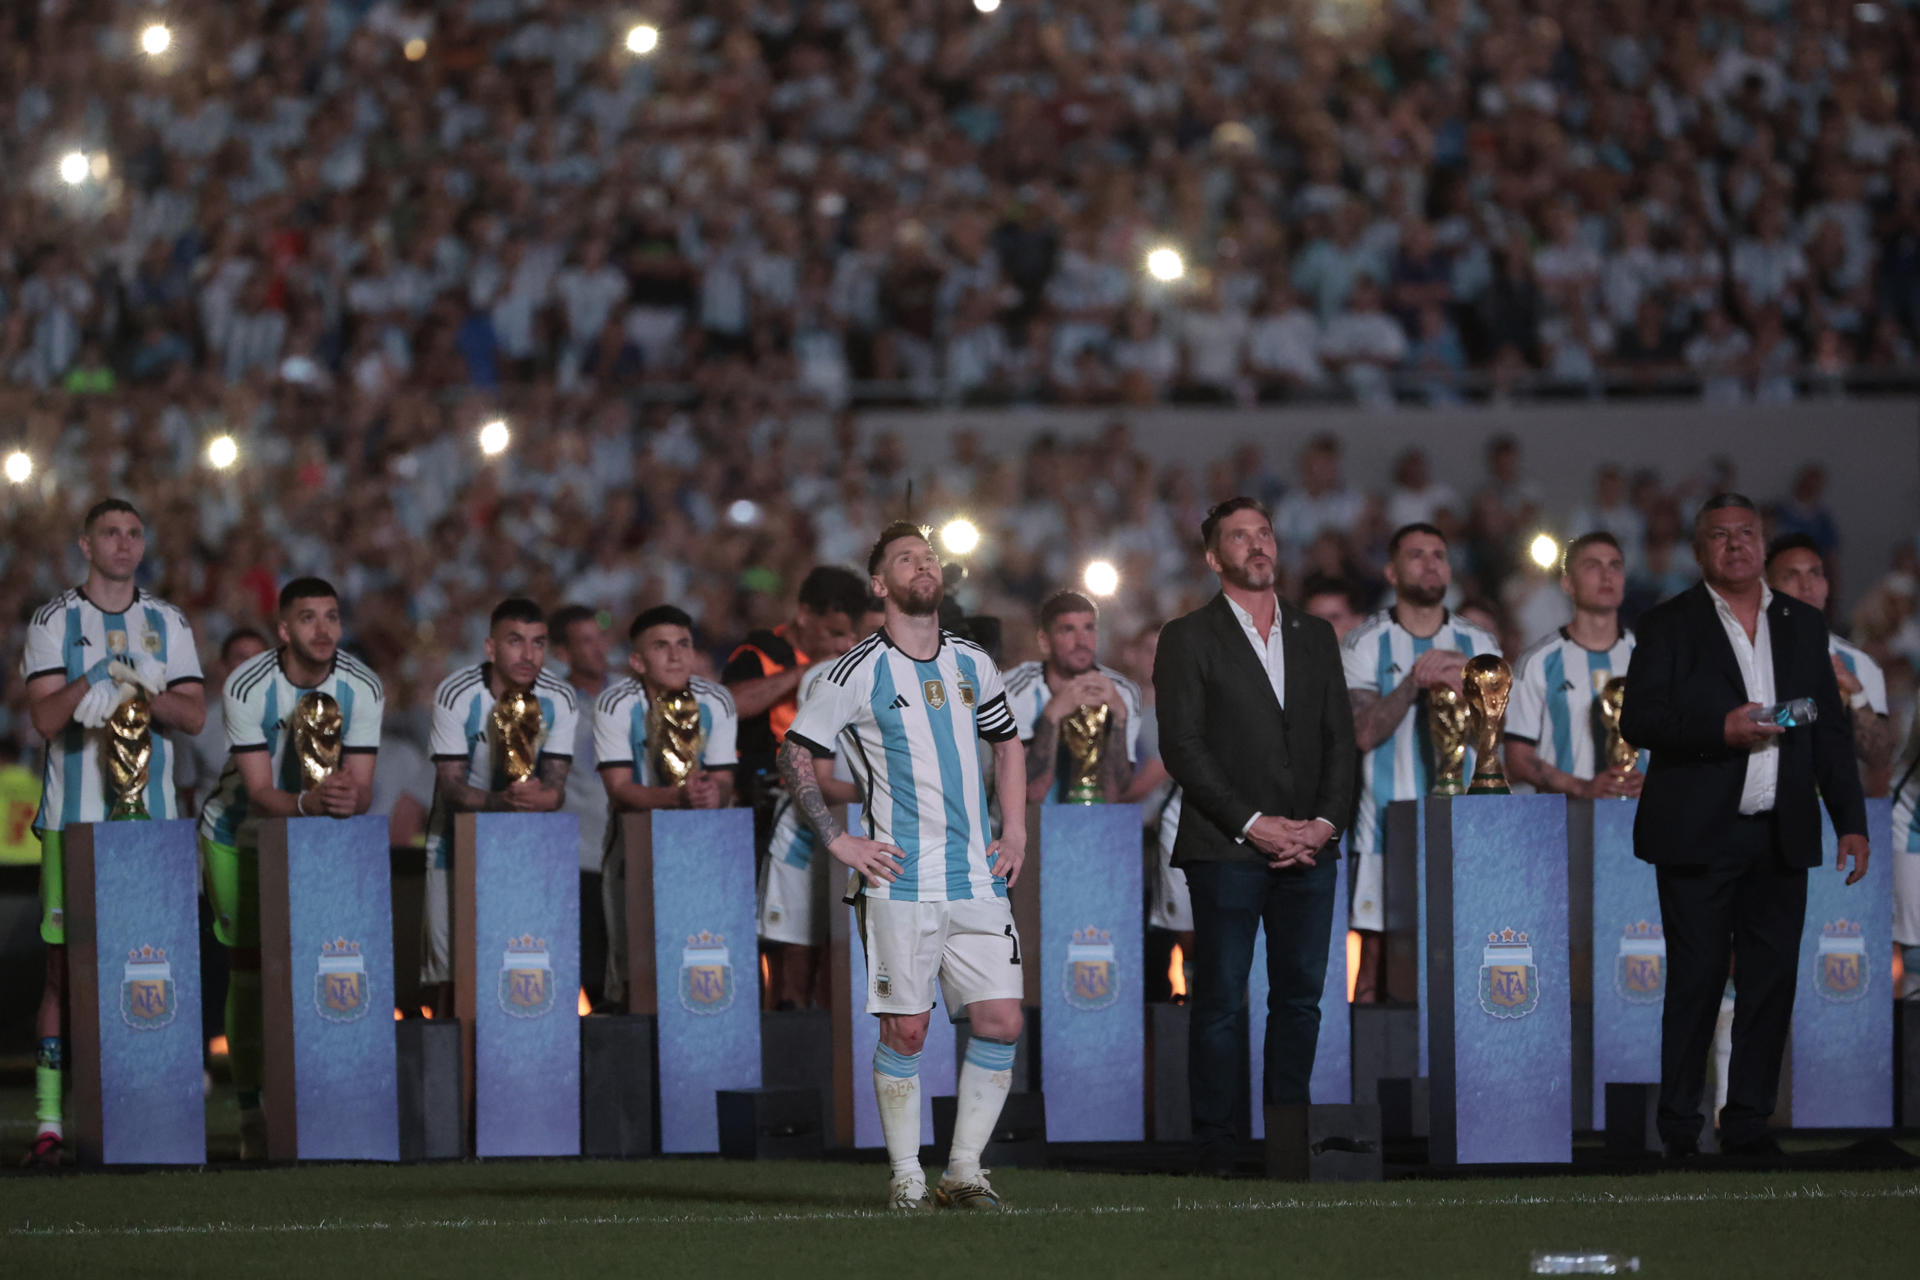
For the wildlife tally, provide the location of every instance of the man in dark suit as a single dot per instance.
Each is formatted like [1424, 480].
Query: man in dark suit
[1729, 818]
[1256, 728]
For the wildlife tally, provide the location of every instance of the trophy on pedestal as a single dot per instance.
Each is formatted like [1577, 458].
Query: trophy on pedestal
[517, 731]
[128, 751]
[1449, 720]
[317, 725]
[1615, 751]
[1084, 734]
[1486, 684]
[676, 737]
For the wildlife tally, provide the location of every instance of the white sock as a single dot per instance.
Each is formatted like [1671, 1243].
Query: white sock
[986, 1077]
[896, 1086]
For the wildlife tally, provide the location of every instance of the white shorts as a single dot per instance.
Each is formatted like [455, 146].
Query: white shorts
[1368, 912]
[787, 896]
[969, 947]
[436, 927]
[1172, 904]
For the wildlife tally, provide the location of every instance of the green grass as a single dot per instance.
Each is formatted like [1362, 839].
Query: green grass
[694, 1218]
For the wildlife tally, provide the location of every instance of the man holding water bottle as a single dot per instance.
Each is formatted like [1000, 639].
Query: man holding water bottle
[1731, 690]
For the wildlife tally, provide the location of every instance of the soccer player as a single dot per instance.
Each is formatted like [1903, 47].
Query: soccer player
[87, 651]
[1553, 729]
[1392, 659]
[262, 780]
[1796, 568]
[470, 776]
[1067, 677]
[910, 705]
[580, 641]
[661, 659]
[197, 768]
[1906, 864]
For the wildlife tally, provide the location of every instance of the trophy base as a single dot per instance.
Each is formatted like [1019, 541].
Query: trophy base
[1448, 787]
[1080, 796]
[1494, 786]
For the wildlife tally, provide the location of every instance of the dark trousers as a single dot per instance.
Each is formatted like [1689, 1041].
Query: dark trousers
[1746, 906]
[1231, 900]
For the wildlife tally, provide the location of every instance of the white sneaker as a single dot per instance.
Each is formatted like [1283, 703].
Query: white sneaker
[909, 1195]
[975, 1194]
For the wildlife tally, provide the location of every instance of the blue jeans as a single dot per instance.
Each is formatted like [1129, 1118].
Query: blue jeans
[1231, 900]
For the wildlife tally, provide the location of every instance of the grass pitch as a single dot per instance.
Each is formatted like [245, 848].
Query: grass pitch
[708, 1217]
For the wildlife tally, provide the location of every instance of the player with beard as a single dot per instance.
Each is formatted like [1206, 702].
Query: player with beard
[910, 705]
[262, 780]
[1391, 660]
[1066, 678]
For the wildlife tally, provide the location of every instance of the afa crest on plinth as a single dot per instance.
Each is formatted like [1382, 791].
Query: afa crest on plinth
[526, 977]
[1640, 975]
[706, 974]
[146, 993]
[1091, 971]
[340, 982]
[1840, 962]
[1509, 980]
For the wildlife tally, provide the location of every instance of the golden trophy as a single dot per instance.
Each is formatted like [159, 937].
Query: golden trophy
[1448, 723]
[1487, 682]
[676, 737]
[317, 724]
[1084, 734]
[517, 731]
[125, 755]
[1615, 751]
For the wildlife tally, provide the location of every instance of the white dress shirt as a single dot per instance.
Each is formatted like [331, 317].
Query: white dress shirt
[1271, 653]
[1755, 657]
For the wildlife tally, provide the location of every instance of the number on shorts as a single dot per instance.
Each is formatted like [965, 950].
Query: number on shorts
[1014, 938]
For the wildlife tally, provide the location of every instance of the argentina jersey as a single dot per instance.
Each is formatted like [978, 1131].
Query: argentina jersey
[792, 842]
[1028, 695]
[620, 730]
[912, 732]
[1555, 685]
[258, 712]
[1377, 656]
[70, 636]
[463, 731]
[1873, 681]
[1906, 845]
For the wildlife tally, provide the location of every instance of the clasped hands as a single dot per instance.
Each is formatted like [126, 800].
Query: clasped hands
[1287, 842]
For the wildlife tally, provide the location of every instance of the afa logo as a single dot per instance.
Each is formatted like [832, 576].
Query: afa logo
[1640, 975]
[1840, 963]
[1091, 969]
[526, 977]
[340, 982]
[1509, 980]
[706, 974]
[146, 995]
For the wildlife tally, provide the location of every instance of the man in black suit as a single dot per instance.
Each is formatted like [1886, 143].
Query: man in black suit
[1728, 815]
[1256, 728]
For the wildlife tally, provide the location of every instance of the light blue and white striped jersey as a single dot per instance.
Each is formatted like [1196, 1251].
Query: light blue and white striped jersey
[71, 634]
[913, 731]
[620, 731]
[793, 841]
[1028, 695]
[1873, 681]
[1377, 655]
[463, 730]
[258, 710]
[1555, 684]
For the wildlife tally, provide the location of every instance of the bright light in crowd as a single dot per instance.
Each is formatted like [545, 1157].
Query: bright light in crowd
[744, 512]
[1166, 265]
[643, 39]
[1544, 550]
[493, 438]
[74, 168]
[223, 452]
[986, 6]
[1102, 578]
[959, 537]
[415, 49]
[19, 467]
[156, 40]
[97, 166]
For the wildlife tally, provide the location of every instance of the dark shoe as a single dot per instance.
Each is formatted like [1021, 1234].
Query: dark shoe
[1214, 1162]
[1763, 1147]
[1683, 1148]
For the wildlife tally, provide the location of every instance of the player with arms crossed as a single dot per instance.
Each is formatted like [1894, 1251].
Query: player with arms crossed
[470, 775]
[262, 779]
[911, 704]
[661, 659]
[89, 650]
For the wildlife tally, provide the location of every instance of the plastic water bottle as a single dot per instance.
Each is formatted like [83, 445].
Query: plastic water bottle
[1788, 715]
[1583, 1264]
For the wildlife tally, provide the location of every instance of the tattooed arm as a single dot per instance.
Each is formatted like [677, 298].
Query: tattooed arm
[1375, 717]
[450, 783]
[1116, 771]
[1042, 750]
[871, 858]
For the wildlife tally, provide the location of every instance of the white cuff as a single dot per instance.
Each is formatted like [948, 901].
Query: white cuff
[1242, 837]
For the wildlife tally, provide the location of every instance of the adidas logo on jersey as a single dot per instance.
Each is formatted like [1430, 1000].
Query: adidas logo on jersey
[1393, 669]
[1566, 686]
[83, 643]
[899, 701]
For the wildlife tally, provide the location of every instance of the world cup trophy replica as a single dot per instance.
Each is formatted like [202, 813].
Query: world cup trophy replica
[128, 751]
[1615, 751]
[1449, 721]
[676, 737]
[1486, 683]
[517, 731]
[317, 725]
[1084, 734]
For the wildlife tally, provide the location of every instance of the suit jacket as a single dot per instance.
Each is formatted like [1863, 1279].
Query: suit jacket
[1681, 683]
[1229, 744]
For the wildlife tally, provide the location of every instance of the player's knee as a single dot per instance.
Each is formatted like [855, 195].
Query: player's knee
[1000, 1020]
[904, 1033]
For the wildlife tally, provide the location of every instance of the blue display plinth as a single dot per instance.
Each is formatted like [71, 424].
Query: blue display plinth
[1332, 1080]
[1842, 1052]
[1405, 912]
[1093, 1038]
[133, 953]
[1621, 945]
[326, 948]
[517, 979]
[1499, 980]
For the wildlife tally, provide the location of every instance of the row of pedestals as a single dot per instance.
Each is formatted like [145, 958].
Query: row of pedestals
[1521, 927]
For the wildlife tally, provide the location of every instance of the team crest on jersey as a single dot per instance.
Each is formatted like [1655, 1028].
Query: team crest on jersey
[1640, 976]
[936, 693]
[706, 974]
[1092, 972]
[1841, 963]
[146, 994]
[150, 640]
[1509, 980]
[340, 982]
[965, 689]
[117, 643]
[526, 977]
